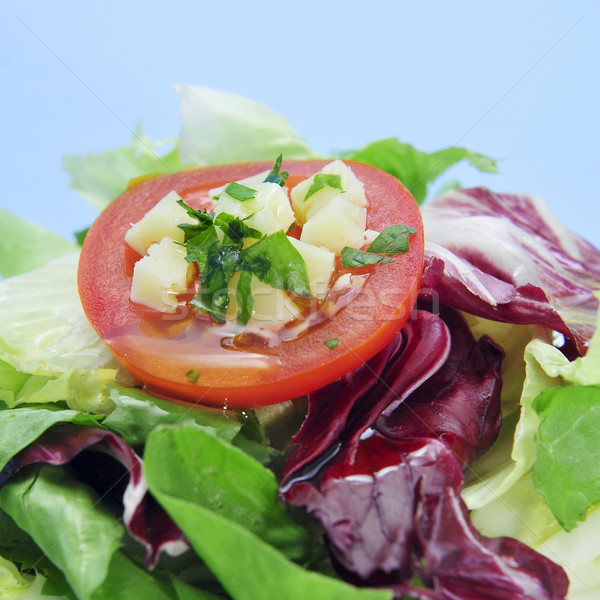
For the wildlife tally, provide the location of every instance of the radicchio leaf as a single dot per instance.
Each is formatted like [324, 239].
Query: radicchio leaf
[352, 403]
[144, 520]
[506, 257]
[389, 500]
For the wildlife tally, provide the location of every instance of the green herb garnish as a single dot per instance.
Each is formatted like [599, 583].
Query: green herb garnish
[240, 192]
[392, 240]
[333, 343]
[277, 176]
[322, 180]
[192, 375]
[216, 245]
[276, 262]
[353, 258]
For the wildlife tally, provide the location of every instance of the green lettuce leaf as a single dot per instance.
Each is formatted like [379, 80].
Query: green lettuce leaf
[100, 178]
[16, 586]
[523, 514]
[229, 530]
[25, 245]
[43, 329]
[567, 470]
[224, 479]
[65, 519]
[220, 127]
[20, 427]
[81, 389]
[415, 168]
[137, 413]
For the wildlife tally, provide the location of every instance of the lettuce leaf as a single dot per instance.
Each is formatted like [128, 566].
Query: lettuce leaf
[25, 245]
[567, 470]
[100, 178]
[43, 329]
[228, 528]
[414, 168]
[220, 127]
[64, 518]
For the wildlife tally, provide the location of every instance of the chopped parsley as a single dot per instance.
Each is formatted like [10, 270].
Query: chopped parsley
[322, 180]
[353, 258]
[192, 375]
[277, 176]
[240, 192]
[393, 240]
[333, 343]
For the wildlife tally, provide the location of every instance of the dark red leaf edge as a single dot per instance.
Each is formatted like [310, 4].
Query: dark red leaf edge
[143, 519]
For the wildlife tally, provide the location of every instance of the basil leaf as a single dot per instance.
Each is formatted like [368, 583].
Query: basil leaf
[276, 262]
[277, 176]
[243, 295]
[322, 180]
[352, 258]
[333, 343]
[240, 192]
[392, 240]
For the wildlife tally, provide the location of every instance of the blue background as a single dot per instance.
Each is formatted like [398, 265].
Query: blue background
[517, 81]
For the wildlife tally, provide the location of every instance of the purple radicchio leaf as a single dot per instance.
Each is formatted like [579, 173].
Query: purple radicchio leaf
[460, 404]
[352, 403]
[506, 257]
[86, 449]
[389, 501]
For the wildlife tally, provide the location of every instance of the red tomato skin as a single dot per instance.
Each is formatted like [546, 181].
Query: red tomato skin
[293, 368]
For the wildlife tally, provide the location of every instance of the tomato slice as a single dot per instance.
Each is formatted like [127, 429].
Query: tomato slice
[186, 357]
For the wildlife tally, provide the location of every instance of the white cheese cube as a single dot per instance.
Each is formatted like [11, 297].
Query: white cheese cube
[338, 224]
[160, 275]
[272, 308]
[305, 208]
[160, 221]
[320, 264]
[269, 211]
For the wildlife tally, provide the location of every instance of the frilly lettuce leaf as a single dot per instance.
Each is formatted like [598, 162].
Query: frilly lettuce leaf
[99, 178]
[522, 513]
[43, 329]
[25, 246]
[502, 492]
[220, 127]
[16, 586]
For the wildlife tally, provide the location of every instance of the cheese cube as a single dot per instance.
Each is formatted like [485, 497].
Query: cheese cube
[268, 212]
[338, 224]
[352, 188]
[272, 308]
[160, 275]
[320, 264]
[160, 221]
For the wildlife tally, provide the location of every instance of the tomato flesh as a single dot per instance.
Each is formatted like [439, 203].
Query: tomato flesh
[187, 357]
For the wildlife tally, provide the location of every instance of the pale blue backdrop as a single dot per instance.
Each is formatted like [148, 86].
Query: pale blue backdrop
[515, 80]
